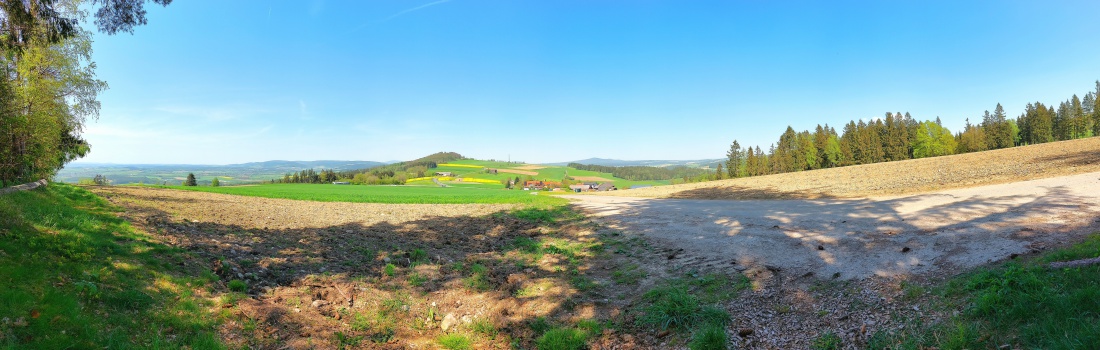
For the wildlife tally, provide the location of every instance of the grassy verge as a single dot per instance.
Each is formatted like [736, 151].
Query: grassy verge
[1019, 304]
[72, 275]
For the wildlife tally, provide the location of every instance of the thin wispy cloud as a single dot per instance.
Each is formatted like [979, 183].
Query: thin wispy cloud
[401, 13]
[414, 9]
[304, 110]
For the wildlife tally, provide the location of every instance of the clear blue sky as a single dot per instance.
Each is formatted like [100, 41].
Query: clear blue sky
[216, 82]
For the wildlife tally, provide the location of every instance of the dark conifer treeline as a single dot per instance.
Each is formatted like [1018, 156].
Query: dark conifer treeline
[898, 136]
[642, 173]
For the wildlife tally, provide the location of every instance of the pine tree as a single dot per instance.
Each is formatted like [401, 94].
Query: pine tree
[733, 160]
[718, 172]
[190, 180]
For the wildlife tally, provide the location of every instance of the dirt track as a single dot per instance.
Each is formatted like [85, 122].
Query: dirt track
[884, 236]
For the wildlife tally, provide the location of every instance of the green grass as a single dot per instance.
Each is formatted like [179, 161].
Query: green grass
[73, 275]
[1023, 304]
[826, 341]
[562, 339]
[380, 194]
[455, 342]
[711, 337]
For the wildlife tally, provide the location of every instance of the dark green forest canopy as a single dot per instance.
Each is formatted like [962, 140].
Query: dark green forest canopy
[898, 136]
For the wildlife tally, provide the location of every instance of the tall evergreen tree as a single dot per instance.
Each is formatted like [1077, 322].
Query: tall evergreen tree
[190, 180]
[734, 159]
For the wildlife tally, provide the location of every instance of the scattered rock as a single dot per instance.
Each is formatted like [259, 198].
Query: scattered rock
[820, 247]
[449, 322]
[905, 249]
[663, 334]
[745, 332]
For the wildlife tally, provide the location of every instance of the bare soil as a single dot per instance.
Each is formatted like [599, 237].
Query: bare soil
[530, 167]
[899, 178]
[517, 171]
[316, 271]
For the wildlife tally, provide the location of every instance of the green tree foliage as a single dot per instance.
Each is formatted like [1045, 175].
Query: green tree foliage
[48, 86]
[642, 173]
[734, 160]
[718, 172]
[190, 180]
[215, 182]
[932, 140]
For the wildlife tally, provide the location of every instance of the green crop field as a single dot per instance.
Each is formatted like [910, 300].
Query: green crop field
[553, 173]
[381, 194]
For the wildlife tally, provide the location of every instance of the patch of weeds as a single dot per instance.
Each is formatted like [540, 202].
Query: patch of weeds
[674, 307]
[713, 288]
[782, 308]
[593, 327]
[484, 327]
[294, 301]
[710, 337]
[232, 298]
[454, 342]
[544, 215]
[345, 340]
[582, 284]
[826, 341]
[417, 280]
[562, 339]
[526, 245]
[383, 335]
[628, 274]
[238, 286]
[477, 279]
[539, 325]
[390, 270]
[911, 291]
[418, 255]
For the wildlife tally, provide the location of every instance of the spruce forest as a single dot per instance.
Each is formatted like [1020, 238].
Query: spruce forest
[898, 136]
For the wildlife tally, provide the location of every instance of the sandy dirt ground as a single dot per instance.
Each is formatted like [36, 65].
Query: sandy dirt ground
[516, 171]
[917, 234]
[530, 167]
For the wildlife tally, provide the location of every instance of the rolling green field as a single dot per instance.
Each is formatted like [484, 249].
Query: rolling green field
[381, 194]
[552, 173]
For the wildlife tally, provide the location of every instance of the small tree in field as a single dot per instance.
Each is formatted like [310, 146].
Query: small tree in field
[190, 180]
[214, 182]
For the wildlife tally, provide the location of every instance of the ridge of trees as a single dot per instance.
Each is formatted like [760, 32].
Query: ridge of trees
[390, 174]
[642, 173]
[48, 86]
[898, 136]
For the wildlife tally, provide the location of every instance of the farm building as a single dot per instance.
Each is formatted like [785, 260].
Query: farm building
[491, 171]
[444, 173]
[341, 183]
[580, 188]
[606, 186]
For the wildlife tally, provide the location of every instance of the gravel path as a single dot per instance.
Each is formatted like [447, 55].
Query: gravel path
[858, 238]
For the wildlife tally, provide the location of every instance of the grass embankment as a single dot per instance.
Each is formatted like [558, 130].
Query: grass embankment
[72, 275]
[380, 194]
[1019, 304]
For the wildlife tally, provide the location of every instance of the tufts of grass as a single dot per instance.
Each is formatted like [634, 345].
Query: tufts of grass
[455, 342]
[826, 341]
[485, 327]
[539, 325]
[710, 337]
[418, 255]
[477, 278]
[417, 280]
[390, 270]
[238, 286]
[674, 307]
[628, 274]
[562, 339]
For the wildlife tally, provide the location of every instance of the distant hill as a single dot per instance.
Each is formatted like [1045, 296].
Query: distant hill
[228, 174]
[700, 163]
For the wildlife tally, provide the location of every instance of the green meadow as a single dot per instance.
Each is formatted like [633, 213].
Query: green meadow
[382, 194]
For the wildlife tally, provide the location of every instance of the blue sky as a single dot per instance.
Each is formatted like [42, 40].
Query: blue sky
[217, 82]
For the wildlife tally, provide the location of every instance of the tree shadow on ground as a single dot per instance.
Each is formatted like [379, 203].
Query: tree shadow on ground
[498, 279]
